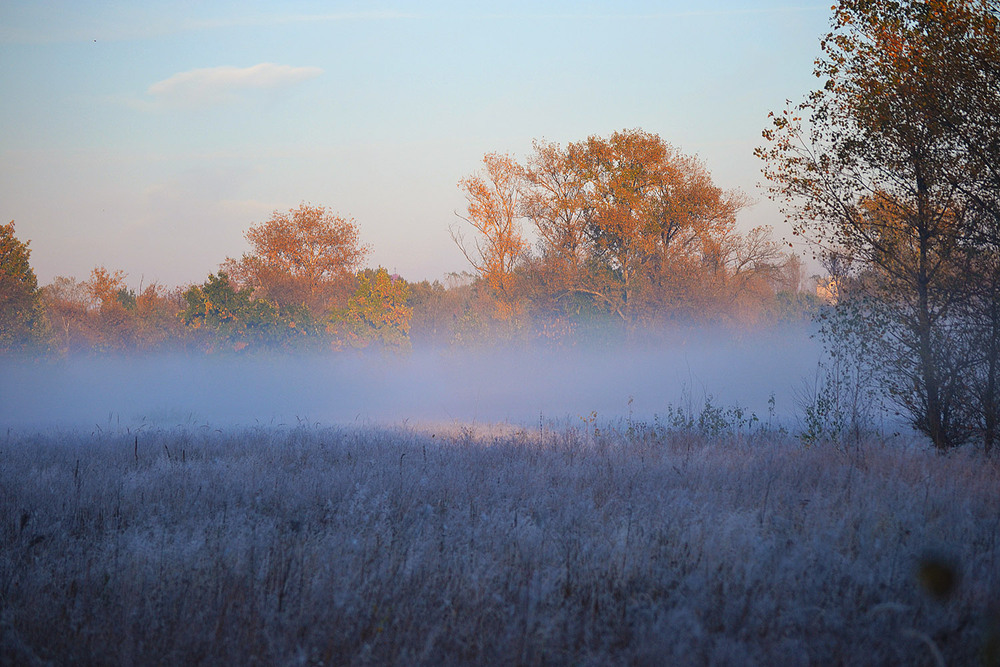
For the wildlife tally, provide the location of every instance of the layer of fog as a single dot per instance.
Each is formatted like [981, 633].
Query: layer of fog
[515, 386]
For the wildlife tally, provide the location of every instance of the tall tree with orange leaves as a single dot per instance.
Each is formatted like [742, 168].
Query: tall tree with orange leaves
[626, 225]
[892, 163]
[305, 257]
[653, 217]
[554, 198]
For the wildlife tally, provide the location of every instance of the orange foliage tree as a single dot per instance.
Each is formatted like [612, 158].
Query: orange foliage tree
[652, 227]
[554, 199]
[101, 314]
[626, 225]
[111, 307]
[493, 200]
[303, 258]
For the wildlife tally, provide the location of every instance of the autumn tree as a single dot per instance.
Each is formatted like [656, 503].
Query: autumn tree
[736, 275]
[378, 313]
[648, 219]
[112, 310]
[155, 318]
[888, 164]
[303, 258]
[102, 314]
[627, 176]
[966, 57]
[626, 225]
[493, 213]
[21, 320]
[91, 315]
[554, 198]
[435, 308]
[66, 302]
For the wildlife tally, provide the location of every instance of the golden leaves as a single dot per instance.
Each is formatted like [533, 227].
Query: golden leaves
[493, 211]
[300, 257]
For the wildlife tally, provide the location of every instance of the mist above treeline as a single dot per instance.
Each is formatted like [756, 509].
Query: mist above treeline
[632, 239]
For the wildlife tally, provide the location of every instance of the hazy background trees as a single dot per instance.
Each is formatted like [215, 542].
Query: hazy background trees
[102, 314]
[891, 166]
[599, 241]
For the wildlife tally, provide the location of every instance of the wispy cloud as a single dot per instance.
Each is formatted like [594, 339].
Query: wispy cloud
[282, 19]
[213, 85]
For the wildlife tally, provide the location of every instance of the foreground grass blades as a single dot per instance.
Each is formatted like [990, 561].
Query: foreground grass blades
[491, 545]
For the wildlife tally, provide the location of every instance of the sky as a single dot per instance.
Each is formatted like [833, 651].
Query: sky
[148, 137]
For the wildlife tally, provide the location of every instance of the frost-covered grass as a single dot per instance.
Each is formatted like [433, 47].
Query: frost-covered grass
[563, 544]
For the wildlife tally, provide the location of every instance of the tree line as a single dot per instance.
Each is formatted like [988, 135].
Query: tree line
[301, 286]
[631, 235]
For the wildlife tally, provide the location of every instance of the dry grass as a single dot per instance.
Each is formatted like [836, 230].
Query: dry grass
[562, 544]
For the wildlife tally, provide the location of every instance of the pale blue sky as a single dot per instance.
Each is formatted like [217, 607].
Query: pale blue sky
[148, 136]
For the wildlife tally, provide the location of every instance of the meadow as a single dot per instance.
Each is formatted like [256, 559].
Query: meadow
[575, 542]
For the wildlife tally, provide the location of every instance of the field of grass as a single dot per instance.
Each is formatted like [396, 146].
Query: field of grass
[572, 543]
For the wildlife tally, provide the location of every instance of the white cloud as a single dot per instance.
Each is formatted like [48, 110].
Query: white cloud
[212, 85]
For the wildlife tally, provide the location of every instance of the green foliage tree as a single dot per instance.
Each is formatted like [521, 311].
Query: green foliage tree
[22, 323]
[378, 313]
[231, 316]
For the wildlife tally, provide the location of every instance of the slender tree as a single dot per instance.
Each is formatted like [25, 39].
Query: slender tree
[494, 214]
[554, 198]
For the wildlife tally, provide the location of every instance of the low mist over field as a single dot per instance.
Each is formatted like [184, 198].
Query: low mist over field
[516, 385]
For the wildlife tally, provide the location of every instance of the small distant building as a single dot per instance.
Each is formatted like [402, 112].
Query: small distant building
[827, 290]
[455, 279]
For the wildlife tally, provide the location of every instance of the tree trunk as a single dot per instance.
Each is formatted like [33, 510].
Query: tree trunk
[933, 408]
[988, 400]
